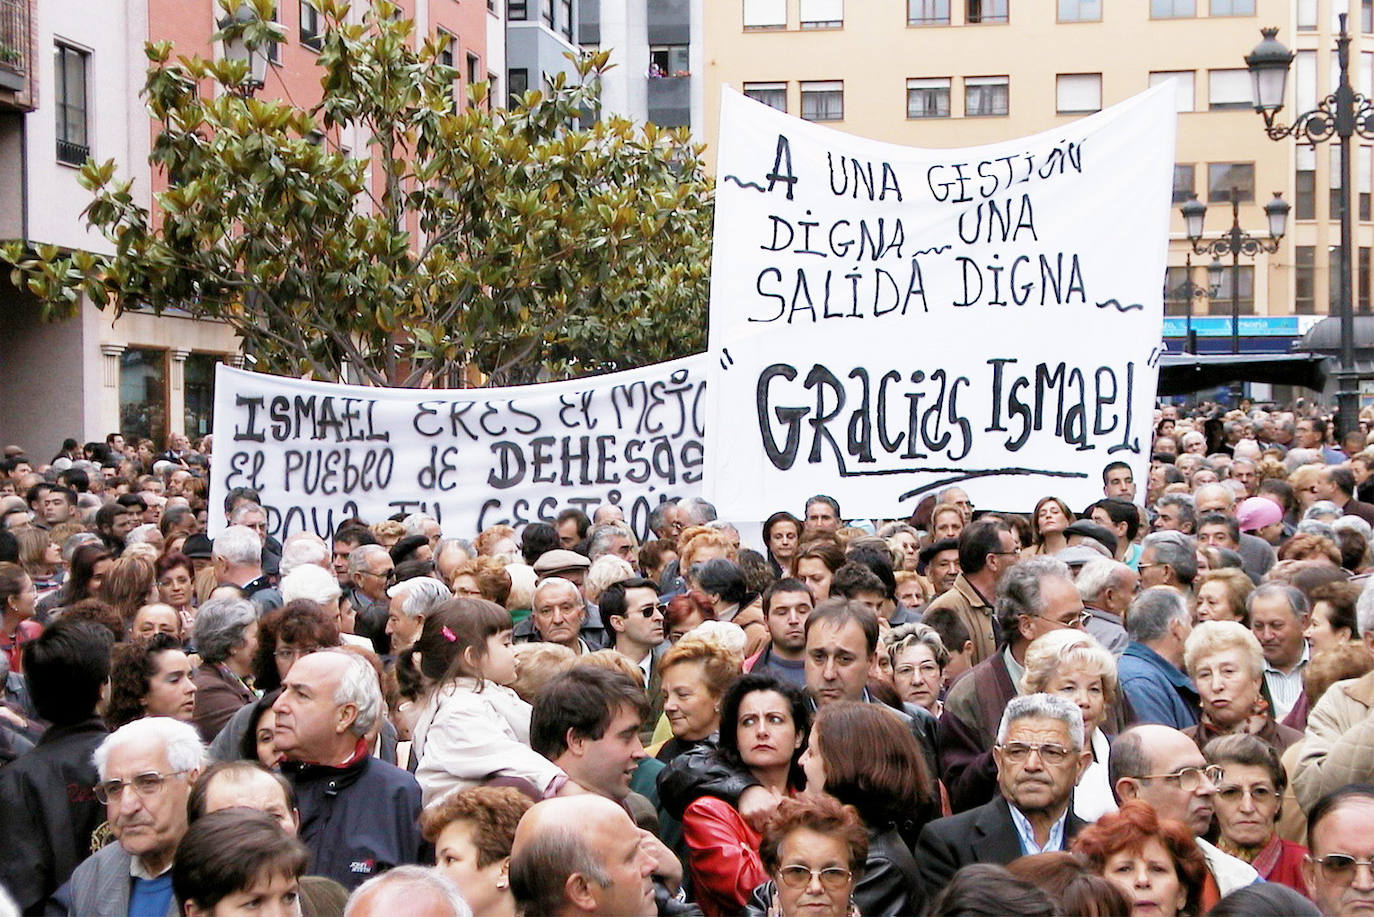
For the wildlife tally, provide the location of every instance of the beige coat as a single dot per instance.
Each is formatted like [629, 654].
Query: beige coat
[974, 612]
[1339, 748]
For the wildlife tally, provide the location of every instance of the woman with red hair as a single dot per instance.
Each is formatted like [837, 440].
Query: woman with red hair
[1156, 861]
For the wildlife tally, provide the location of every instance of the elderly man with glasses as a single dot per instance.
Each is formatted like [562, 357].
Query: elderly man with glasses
[147, 769]
[1162, 766]
[1339, 870]
[372, 571]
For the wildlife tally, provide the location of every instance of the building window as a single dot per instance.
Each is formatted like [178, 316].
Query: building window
[1307, 15]
[1229, 89]
[446, 48]
[1173, 9]
[491, 6]
[927, 12]
[519, 81]
[1305, 184]
[1224, 177]
[1305, 80]
[1080, 10]
[474, 74]
[274, 47]
[69, 77]
[986, 96]
[927, 98]
[1177, 300]
[1333, 272]
[1362, 167]
[546, 10]
[199, 387]
[1305, 279]
[669, 60]
[765, 14]
[312, 35]
[1221, 302]
[774, 95]
[1367, 16]
[1333, 200]
[143, 394]
[517, 10]
[1185, 182]
[822, 14]
[987, 11]
[1077, 93]
[1233, 7]
[1182, 81]
[823, 100]
[1362, 300]
[566, 15]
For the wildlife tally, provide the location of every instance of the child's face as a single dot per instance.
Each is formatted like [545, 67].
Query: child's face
[499, 664]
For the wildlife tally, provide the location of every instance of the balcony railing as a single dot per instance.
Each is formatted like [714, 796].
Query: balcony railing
[14, 44]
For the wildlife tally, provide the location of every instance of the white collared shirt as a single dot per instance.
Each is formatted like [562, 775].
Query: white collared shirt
[1286, 687]
[1026, 834]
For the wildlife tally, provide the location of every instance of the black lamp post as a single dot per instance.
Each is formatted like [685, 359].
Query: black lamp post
[1234, 242]
[1189, 291]
[1342, 114]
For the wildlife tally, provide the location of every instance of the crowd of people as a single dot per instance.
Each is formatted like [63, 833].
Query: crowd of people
[1159, 704]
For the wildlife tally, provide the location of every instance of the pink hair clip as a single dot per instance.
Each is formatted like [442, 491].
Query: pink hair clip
[448, 634]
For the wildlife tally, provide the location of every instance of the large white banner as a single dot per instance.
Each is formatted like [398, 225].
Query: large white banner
[319, 453]
[887, 321]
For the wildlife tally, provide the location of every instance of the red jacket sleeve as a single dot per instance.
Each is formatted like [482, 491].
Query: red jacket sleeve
[723, 856]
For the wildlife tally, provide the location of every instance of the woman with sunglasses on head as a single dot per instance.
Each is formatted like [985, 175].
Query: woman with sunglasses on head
[763, 727]
[1247, 806]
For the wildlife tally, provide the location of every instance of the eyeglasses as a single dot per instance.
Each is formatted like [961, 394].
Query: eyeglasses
[387, 577]
[1020, 752]
[292, 653]
[1339, 868]
[649, 611]
[1188, 779]
[833, 878]
[145, 785]
[1079, 620]
[1260, 794]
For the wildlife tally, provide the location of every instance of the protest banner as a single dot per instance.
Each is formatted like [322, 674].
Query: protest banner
[319, 453]
[886, 321]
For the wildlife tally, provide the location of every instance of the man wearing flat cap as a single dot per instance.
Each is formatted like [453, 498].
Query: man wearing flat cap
[560, 613]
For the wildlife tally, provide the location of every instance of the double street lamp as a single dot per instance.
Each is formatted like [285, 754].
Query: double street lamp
[1189, 291]
[1342, 114]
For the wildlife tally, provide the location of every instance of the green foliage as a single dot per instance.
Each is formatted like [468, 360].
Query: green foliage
[512, 241]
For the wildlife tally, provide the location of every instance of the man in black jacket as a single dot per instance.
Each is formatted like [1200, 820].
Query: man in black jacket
[1040, 754]
[48, 809]
[359, 815]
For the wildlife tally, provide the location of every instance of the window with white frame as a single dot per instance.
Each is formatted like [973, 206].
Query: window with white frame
[1076, 93]
[71, 66]
[765, 14]
[1080, 10]
[1233, 7]
[987, 11]
[822, 14]
[774, 95]
[1185, 94]
[1305, 80]
[312, 29]
[1173, 9]
[822, 100]
[927, 97]
[987, 96]
[927, 12]
[1307, 15]
[1305, 183]
[1229, 89]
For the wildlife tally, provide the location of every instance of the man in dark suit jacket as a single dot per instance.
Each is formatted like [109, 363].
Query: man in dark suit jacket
[1040, 754]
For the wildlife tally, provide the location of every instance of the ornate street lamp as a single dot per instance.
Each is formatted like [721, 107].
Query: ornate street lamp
[1342, 114]
[238, 48]
[1189, 291]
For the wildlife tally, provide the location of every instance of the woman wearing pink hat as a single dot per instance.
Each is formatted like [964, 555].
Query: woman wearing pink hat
[1261, 516]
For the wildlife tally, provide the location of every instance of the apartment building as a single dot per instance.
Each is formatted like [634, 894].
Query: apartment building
[953, 73]
[70, 78]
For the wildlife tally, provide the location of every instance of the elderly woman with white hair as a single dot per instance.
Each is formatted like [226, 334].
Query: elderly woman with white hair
[1071, 664]
[1226, 663]
[321, 586]
[226, 636]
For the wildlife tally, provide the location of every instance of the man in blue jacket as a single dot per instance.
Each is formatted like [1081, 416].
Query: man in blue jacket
[359, 815]
[1151, 668]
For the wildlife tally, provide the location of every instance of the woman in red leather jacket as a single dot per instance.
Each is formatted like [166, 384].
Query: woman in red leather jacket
[763, 727]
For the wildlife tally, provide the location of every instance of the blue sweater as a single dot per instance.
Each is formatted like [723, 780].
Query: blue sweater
[1158, 691]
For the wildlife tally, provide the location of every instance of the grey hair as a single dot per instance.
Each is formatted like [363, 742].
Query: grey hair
[185, 751]
[540, 870]
[422, 595]
[244, 509]
[414, 524]
[301, 549]
[1152, 612]
[400, 886]
[75, 541]
[140, 534]
[360, 557]
[1323, 510]
[896, 528]
[239, 545]
[553, 581]
[698, 510]
[720, 525]
[219, 627]
[358, 685]
[656, 516]
[1099, 575]
[1354, 524]
[1043, 706]
[600, 537]
[1175, 549]
[1186, 508]
[1364, 608]
[1018, 592]
[1296, 458]
[310, 581]
[1295, 597]
[1317, 527]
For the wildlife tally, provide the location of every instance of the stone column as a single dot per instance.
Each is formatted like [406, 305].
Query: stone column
[176, 392]
[109, 387]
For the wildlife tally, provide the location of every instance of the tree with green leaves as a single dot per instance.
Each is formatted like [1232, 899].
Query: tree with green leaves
[519, 242]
